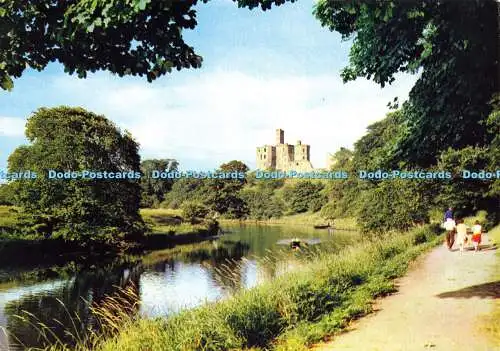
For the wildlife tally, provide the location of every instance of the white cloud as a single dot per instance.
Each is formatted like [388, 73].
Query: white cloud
[12, 126]
[214, 117]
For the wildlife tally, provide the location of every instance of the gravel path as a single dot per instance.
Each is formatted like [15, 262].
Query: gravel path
[439, 306]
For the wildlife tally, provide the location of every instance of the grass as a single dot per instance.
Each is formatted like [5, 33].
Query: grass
[164, 220]
[480, 216]
[150, 212]
[491, 322]
[8, 217]
[161, 221]
[289, 313]
[306, 218]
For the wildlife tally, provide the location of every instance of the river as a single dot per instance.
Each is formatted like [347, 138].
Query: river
[164, 281]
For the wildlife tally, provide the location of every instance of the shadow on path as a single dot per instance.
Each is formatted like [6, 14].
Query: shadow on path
[489, 290]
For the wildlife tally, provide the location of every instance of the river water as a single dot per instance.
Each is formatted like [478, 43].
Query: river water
[163, 282]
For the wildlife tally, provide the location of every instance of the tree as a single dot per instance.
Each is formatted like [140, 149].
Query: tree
[374, 149]
[262, 203]
[453, 44]
[126, 37]
[153, 188]
[223, 194]
[304, 196]
[185, 189]
[395, 204]
[341, 158]
[193, 210]
[471, 195]
[6, 194]
[65, 139]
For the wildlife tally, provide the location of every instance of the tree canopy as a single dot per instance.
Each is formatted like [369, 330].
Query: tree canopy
[126, 37]
[453, 44]
[153, 189]
[67, 139]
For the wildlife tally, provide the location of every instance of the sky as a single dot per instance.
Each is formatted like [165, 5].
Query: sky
[261, 71]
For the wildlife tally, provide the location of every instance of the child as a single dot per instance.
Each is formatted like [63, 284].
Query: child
[476, 235]
[461, 234]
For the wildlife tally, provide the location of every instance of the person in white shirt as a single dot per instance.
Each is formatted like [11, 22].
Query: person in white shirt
[449, 225]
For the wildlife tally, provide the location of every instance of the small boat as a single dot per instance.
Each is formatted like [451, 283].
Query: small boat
[303, 242]
[322, 226]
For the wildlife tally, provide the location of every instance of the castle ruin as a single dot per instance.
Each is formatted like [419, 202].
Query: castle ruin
[284, 157]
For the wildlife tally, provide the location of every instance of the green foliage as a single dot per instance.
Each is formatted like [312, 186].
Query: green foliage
[304, 196]
[341, 159]
[393, 204]
[126, 37]
[298, 308]
[182, 190]
[72, 139]
[328, 211]
[192, 211]
[453, 44]
[7, 195]
[317, 203]
[374, 149]
[223, 195]
[153, 189]
[262, 203]
[466, 196]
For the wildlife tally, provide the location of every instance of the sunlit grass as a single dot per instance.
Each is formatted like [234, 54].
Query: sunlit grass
[318, 297]
[491, 323]
[112, 314]
[306, 218]
[149, 212]
[8, 216]
[169, 221]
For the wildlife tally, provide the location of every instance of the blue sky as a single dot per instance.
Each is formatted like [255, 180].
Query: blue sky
[261, 71]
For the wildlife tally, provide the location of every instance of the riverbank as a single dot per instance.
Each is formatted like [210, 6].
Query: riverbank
[167, 229]
[448, 301]
[290, 312]
[491, 322]
[306, 219]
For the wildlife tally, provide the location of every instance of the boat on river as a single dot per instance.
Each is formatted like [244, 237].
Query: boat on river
[322, 226]
[297, 243]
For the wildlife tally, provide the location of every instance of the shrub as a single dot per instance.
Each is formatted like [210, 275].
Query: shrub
[192, 210]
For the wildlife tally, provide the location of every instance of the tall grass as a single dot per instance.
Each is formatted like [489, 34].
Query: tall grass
[8, 216]
[108, 317]
[289, 312]
[162, 220]
[491, 322]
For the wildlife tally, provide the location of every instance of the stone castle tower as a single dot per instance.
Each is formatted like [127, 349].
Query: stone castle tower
[284, 157]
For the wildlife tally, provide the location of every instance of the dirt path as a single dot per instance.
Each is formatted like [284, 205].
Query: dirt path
[439, 306]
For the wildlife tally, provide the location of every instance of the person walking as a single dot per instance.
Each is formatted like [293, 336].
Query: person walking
[461, 234]
[476, 235]
[449, 226]
[448, 214]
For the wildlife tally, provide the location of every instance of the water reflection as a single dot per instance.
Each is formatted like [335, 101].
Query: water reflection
[164, 281]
